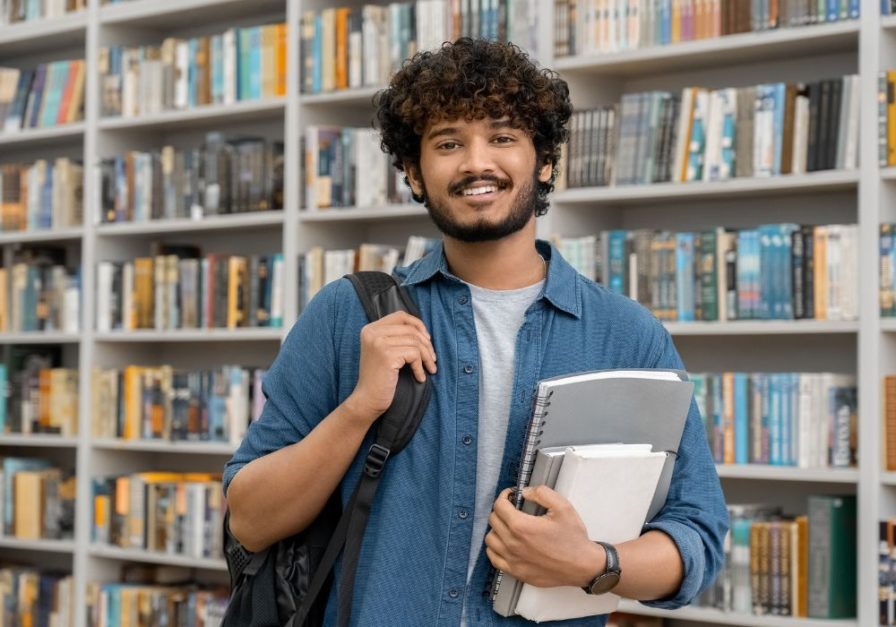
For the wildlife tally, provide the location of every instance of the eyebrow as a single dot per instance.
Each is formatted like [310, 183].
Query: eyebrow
[453, 130]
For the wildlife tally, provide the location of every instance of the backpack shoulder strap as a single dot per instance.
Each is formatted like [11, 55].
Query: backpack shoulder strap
[380, 295]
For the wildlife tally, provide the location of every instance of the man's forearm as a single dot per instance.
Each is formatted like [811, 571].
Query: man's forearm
[651, 567]
[281, 493]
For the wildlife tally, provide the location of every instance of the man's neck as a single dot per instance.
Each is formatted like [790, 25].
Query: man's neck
[506, 264]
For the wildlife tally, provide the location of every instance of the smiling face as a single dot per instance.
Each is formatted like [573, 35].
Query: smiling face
[478, 178]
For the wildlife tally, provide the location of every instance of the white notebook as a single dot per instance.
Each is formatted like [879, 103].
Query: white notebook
[611, 487]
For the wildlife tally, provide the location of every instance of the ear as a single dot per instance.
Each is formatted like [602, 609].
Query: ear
[413, 175]
[544, 174]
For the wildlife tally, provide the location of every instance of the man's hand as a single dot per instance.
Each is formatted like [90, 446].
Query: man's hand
[544, 551]
[386, 346]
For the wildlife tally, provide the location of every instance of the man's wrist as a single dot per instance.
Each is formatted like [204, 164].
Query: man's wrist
[593, 563]
[357, 413]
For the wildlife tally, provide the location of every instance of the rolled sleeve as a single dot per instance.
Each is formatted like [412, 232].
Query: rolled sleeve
[690, 546]
[694, 516]
[300, 387]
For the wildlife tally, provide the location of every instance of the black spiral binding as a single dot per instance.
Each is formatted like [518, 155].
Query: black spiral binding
[527, 461]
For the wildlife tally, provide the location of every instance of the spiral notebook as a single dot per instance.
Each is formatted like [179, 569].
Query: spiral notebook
[628, 406]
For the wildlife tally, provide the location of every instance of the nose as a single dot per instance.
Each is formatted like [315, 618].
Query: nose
[478, 158]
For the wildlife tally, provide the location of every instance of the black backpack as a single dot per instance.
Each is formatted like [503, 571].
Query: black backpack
[288, 583]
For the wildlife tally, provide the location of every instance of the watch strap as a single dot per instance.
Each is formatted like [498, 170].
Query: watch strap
[609, 577]
[612, 557]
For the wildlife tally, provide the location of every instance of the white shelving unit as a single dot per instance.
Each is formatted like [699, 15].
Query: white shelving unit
[702, 616]
[866, 196]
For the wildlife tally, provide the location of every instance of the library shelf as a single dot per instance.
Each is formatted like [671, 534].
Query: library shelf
[38, 236]
[888, 174]
[45, 545]
[711, 615]
[763, 327]
[888, 478]
[39, 337]
[49, 136]
[163, 446]
[242, 111]
[156, 557]
[355, 96]
[787, 473]
[251, 219]
[739, 48]
[888, 22]
[39, 35]
[360, 214]
[168, 14]
[263, 334]
[888, 325]
[46, 440]
[814, 182]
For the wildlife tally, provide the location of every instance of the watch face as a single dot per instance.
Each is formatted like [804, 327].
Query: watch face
[604, 583]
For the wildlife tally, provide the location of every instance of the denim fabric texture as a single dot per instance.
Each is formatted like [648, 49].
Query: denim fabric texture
[413, 564]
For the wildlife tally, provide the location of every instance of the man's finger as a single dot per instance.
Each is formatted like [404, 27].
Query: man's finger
[497, 560]
[546, 497]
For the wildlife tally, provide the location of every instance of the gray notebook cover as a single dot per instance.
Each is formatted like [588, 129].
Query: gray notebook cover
[631, 410]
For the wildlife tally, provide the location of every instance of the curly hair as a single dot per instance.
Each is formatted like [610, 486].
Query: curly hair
[474, 79]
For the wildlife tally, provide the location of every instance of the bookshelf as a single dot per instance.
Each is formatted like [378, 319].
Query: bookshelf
[866, 196]
[740, 48]
[51, 33]
[703, 616]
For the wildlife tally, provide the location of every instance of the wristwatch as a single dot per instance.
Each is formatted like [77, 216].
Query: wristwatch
[607, 580]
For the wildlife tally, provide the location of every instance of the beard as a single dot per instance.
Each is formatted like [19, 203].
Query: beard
[482, 230]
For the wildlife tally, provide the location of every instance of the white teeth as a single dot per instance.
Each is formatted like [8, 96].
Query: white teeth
[475, 191]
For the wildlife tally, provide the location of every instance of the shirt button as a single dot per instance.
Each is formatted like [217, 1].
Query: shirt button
[462, 300]
[453, 593]
[463, 514]
[468, 369]
[468, 440]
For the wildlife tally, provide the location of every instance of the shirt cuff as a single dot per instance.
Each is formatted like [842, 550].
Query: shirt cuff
[690, 546]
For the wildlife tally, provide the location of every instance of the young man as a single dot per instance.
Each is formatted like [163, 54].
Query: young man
[477, 129]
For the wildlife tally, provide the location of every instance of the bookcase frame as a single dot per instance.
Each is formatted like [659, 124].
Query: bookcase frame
[871, 38]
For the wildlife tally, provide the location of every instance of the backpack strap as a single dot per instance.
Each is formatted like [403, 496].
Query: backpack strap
[380, 294]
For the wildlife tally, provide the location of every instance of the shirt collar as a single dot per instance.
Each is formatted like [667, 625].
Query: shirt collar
[561, 288]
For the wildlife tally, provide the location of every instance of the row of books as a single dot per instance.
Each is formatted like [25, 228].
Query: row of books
[605, 26]
[801, 566]
[21, 403]
[38, 398]
[242, 63]
[219, 176]
[713, 135]
[886, 118]
[887, 571]
[169, 512]
[133, 604]
[38, 499]
[15, 11]
[185, 291]
[39, 293]
[36, 597]
[350, 47]
[162, 403]
[49, 95]
[887, 270]
[807, 420]
[773, 272]
[41, 195]
[889, 402]
[345, 167]
[317, 267]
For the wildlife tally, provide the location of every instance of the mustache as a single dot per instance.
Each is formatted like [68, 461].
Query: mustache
[457, 188]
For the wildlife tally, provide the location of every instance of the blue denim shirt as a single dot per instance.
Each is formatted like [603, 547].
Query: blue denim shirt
[413, 564]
